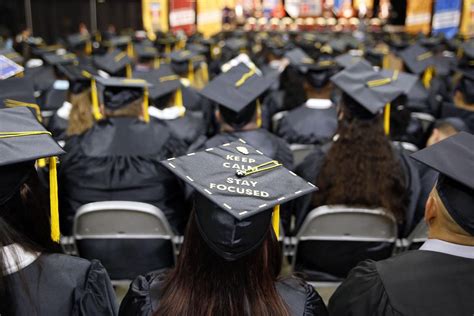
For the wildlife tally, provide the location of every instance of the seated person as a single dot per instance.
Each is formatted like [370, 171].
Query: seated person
[237, 93]
[118, 158]
[360, 167]
[315, 121]
[230, 260]
[166, 96]
[35, 278]
[438, 279]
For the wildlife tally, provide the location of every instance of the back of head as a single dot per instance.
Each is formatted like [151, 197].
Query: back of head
[238, 119]
[132, 109]
[360, 168]
[203, 283]
[81, 118]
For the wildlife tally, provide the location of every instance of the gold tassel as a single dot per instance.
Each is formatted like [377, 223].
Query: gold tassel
[386, 61]
[53, 196]
[156, 63]
[14, 103]
[386, 119]
[259, 114]
[95, 101]
[88, 48]
[205, 73]
[146, 115]
[427, 76]
[130, 50]
[191, 71]
[276, 220]
[167, 49]
[178, 101]
[128, 71]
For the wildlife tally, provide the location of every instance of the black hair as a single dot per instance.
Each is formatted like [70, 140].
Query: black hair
[240, 119]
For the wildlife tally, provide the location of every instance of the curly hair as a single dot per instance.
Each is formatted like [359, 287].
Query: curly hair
[81, 118]
[361, 169]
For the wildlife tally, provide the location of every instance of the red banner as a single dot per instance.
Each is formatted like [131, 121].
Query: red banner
[182, 15]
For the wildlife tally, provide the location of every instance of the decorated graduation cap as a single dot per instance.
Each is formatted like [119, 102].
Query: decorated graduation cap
[114, 62]
[417, 58]
[453, 158]
[371, 90]
[8, 68]
[23, 140]
[164, 81]
[237, 92]
[405, 81]
[115, 93]
[11, 54]
[60, 59]
[237, 190]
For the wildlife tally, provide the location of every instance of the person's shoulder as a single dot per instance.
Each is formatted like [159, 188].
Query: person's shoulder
[65, 262]
[301, 297]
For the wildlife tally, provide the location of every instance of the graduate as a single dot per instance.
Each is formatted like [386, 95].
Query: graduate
[166, 98]
[438, 279]
[237, 93]
[360, 167]
[118, 158]
[36, 279]
[315, 121]
[230, 261]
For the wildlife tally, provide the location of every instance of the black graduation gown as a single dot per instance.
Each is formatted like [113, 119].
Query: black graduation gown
[187, 128]
[192, 100]
[272, 146]
[305, 125]
[311, 166]
[417, 98]
[415, 283]
[143, 297]
[58, 125]
[118, 159]
[60, 285]
[272, 103]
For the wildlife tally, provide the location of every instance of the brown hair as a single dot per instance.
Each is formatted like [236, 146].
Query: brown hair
[134, 109]
[80, 119]
[202, 283]
[360, 168]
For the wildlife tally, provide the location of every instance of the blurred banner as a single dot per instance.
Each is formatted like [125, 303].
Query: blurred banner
[467, 19]
[304, 8]
[209, 16]
[182, 15]
[155, 16]
[418, 16]
[447, 14]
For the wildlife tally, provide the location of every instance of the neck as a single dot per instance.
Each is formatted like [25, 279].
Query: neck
[226, 128]
[323, 93]
[452, 237]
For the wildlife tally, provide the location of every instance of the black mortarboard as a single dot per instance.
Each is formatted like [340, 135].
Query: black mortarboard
[79, 77]
[416, 58]
[348, 59]
[405, 81]
[299, 59]
[197, 48]
[115, 93]
[18, 89]
[466, 85]
[75, 40]
[118, 41]
[369, 88]
[237, 187]
[113, 62]
[235, 44]
[8, 68]
[60, 59]
[453, 158]
[236, 88]
[11, 54]
[181, 59]
[145, 51]
[22, 141]
[164, 81]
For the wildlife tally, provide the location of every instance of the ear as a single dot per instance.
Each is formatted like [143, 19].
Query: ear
[217, 113]
[430, 210]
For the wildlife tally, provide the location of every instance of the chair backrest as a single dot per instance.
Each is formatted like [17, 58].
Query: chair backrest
[343, 223]
[300, 151]
[425, 119]
[411, 148]
[120, 219]
[276, 119]
[418, 236]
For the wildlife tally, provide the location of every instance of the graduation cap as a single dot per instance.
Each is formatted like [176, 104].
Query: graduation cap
[118, 41]
[237, 92]
[114, 62]
[115, 93]
[60, 59]
[235, 44]
[304, 63]
[197, 48]
[163, 80]
[237, 189]
[79, 77]
[453, 158]
[186, 61]
[467, 57]
[41, 50]
[11, 54]
[348, 59]
[23, 140]
[8, 68]
[466, 85]
[78, 39]
[405, 80]
[145, 51]
[19, 89]
[416, 58]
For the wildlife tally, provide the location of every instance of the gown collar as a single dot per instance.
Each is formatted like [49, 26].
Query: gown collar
[318, 104]
[442, 246]
[16, 258]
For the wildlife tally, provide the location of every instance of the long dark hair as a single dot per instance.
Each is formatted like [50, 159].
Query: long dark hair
[24, 220]
[360, 169]
[202, 283]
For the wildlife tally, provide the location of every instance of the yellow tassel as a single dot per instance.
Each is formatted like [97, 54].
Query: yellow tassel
[130, 50]
[156, 63]
[191, 72]
[128, 71]
[386, 119]
[146, 115]
[95, 101]
[88, 48]
[427, 76]
[14, 103]
[205, 73]
[259, 114]
[178, 101]
[276, 220]
[41, 163]
[386, 62]
[167, 49]
[53, 196]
